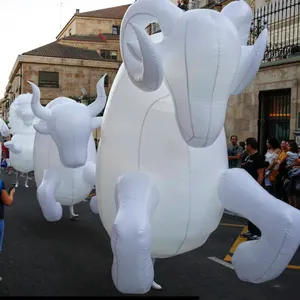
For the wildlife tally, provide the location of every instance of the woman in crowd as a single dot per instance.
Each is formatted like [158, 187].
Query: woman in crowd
[292, 160]
[271, 157]
[280, 167]
[292, 155]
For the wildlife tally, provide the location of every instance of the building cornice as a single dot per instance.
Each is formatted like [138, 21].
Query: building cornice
[59, 36]
[71, 62]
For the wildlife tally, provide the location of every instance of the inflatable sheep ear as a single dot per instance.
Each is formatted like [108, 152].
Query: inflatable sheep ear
[251, 56]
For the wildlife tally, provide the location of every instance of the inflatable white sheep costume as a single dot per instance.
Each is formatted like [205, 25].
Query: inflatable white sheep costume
[21, 121]
[162, 170]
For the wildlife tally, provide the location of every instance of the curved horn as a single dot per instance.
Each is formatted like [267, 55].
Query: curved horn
[98, 105]
[148, 73]
[150, 76]
[39, 110]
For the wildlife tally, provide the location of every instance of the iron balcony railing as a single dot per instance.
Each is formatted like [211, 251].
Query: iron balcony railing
[283, 20]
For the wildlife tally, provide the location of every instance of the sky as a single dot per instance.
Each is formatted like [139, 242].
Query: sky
[29, 24]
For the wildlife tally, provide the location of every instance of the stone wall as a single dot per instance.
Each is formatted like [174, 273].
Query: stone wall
[70, 29]
[94, 26]
[88, 26]
[97, 46]
[15, 85]
[71, 80]
[243, 110]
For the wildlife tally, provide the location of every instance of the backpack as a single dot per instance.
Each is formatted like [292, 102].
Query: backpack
[4, 164]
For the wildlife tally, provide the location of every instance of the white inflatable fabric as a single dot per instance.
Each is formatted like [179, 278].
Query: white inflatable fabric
[72, 188]
[4, 130]
[137, 196]
[150, 142]
[266, 259]
[65, 151]
[162, 166]
[218, 58]
[21, 121]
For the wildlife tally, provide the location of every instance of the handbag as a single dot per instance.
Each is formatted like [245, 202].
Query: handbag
[273, 175]
[4, 164]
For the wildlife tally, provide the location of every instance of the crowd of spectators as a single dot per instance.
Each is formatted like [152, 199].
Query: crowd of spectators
[277, 169]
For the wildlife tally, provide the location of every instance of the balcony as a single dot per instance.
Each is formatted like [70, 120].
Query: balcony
[283, 21]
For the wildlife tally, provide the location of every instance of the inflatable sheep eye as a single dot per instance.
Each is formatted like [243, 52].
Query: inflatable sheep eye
[162, 170]
[64, 151]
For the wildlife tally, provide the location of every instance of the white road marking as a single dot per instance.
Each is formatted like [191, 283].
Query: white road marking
[221, 262]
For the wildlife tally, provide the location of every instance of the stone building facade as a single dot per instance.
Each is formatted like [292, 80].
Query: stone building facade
[244, 115]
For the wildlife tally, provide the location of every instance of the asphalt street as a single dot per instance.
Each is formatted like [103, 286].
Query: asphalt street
[73, 258]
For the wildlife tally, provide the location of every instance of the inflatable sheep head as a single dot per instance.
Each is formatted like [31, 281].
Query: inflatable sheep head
[69, 123]
[202, 56]
[21, 117]
[4, 130]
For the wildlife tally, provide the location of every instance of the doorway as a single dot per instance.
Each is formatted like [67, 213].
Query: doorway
[274, 116]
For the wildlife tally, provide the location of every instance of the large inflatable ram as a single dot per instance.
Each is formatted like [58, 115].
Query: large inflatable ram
[162, 168]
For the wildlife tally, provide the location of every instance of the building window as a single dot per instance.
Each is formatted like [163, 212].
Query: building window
[70, 31]
[109, 54]
[115, 29]
[155, 28]
[48, 79]
[106, 81]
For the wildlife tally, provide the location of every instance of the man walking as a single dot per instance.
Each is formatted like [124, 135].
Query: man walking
[234, 153]
[255, 166]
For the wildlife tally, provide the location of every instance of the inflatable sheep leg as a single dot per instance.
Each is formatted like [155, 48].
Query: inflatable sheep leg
[65, 152]
[266, 259]
[134, 190]
[17, 179]
[49, 191]
[162, 169]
